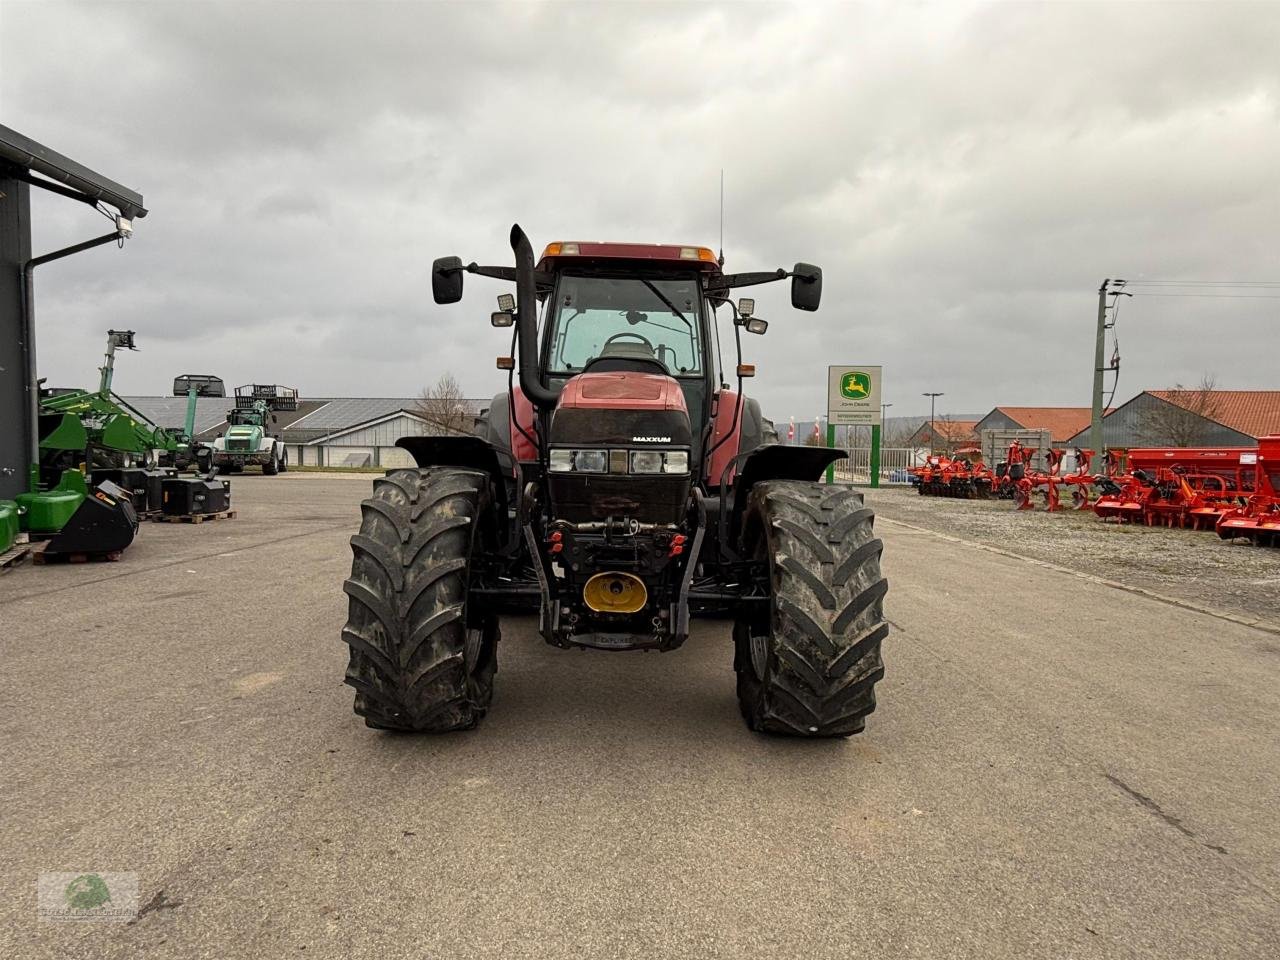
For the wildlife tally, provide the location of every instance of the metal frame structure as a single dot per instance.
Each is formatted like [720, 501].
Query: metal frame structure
[24, 163]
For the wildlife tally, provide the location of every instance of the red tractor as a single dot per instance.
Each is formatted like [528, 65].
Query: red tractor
[620, 487]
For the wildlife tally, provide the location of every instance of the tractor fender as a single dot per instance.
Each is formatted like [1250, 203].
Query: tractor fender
[473, 453]
[776, 461]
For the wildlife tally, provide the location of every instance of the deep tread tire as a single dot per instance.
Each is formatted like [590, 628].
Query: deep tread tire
[272, 466]
[816, 657]
[420, 660]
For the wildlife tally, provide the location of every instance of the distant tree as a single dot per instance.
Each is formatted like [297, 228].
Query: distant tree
[1184, 420]
[442, 405]
[946, 435]
[898, 435]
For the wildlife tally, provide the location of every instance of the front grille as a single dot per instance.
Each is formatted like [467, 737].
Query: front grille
[238, 446]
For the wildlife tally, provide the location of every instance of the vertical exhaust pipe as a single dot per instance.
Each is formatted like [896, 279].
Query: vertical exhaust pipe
[541, 396]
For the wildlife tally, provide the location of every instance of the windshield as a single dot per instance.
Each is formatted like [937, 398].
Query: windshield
[635, 318]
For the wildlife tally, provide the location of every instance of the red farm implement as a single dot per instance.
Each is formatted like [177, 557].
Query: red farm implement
[954, 476]
[1258, 520]
[1022, 482]
[1176, 486]
[1012, 470]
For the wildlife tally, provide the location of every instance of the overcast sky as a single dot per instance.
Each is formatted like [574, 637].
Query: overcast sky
[966, 175]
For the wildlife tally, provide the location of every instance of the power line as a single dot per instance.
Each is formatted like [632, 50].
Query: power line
[1205, 283]
[1215, 296]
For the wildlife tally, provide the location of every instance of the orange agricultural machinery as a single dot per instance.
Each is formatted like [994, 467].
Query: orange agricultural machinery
[962, 475]
[1258, 519]
[1177, 486]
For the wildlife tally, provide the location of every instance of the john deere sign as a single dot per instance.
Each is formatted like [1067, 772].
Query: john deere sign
[853, 395]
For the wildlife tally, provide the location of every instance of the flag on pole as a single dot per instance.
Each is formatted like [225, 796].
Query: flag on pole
[791, 430]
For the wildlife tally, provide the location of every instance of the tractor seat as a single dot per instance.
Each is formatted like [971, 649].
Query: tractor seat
[618, 357]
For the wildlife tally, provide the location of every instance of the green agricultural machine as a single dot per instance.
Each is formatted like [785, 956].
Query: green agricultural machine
[80, 430]
[248, 439]
[97, 428]
[186, 450]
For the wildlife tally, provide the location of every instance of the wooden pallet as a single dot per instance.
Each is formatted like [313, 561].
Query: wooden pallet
[194, 517]
[39, 555]
[15, 554]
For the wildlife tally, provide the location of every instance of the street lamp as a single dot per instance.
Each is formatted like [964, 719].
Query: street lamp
[932, 399]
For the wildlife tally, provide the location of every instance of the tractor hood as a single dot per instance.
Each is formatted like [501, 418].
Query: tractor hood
[634, 410]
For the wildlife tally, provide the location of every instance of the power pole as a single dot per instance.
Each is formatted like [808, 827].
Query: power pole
[1099, 351]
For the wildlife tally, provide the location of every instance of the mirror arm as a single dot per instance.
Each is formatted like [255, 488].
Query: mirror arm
[730, 281]
[541, 279]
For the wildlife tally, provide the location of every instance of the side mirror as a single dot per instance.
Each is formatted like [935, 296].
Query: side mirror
[446, 280]
[806, 287]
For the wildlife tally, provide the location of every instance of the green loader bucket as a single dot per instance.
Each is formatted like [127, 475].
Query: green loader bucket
[62, 431]
[121, 433]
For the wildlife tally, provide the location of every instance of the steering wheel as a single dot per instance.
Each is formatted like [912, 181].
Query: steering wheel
[627, 333]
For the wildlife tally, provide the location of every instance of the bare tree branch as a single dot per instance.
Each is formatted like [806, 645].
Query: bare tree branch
[1182, 419]
[442, 406]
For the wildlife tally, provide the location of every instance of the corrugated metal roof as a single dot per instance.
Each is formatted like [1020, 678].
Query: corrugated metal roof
[1252, 412]
[314, 418]
[347, 411]
[171, 412]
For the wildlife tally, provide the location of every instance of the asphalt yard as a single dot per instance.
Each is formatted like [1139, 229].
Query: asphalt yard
[1058, 768]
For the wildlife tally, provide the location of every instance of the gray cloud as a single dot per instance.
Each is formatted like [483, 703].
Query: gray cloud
[966, 175]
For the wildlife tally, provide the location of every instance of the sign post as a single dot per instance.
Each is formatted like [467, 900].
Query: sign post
[853, 398]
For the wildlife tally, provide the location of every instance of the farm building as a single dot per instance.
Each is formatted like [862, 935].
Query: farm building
[334, 431]
[1189, 418]
[1063, 423]
[943, 434]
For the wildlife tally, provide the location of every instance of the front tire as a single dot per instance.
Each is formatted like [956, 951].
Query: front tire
[809, 666]
[421, 660]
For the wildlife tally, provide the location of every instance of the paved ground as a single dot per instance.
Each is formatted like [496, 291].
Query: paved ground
[1092, 775]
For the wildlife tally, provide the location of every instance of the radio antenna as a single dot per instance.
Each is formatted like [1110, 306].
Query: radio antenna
[722, 216]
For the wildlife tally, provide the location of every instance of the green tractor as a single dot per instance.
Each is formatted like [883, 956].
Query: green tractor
[248, 439]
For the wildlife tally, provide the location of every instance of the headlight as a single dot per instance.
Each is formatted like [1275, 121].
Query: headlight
[591, 461]
[646, 461]
[677, 461]
[578, 461]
